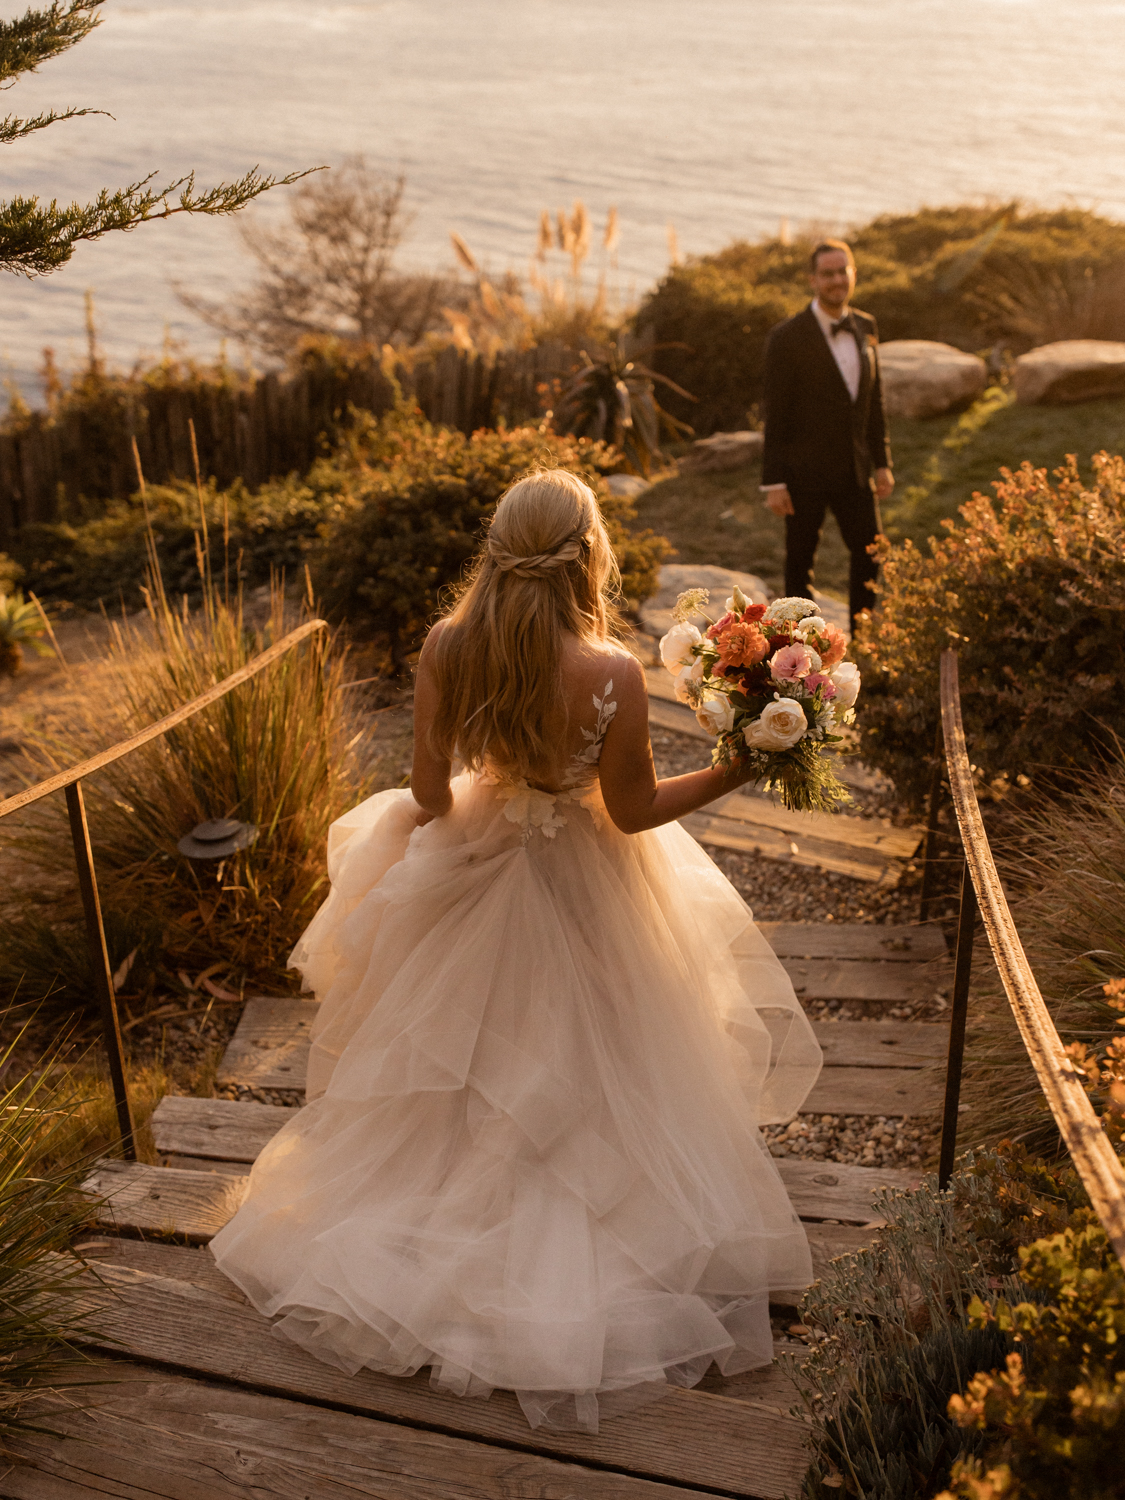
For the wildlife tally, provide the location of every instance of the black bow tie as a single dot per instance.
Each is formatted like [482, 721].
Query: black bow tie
[842, 325]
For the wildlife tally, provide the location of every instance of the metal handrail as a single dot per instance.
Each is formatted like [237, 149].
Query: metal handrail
[70, 781]
[1090, 1149]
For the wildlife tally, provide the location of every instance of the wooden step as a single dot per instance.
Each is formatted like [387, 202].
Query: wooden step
[863, 980]
[141, 1435]
[216, 1128]
[270, 1048]
[855, 940]
[827, 1190]
[194, 1206]
[137, 1198]
[859, 834]
[882, 1044]
[687, 1438]
[814, 852]
[890, 1092]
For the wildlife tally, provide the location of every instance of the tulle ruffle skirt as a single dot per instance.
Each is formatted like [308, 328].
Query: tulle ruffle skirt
[531, 1156]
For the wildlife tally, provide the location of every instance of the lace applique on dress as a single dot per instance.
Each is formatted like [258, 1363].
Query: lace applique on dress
[583, 761]
[531, 808]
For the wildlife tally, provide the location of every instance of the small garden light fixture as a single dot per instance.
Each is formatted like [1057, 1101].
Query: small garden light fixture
[217, 838]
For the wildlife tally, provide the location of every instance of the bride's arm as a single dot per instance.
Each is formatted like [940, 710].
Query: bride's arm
[634, 798]
[429, 774]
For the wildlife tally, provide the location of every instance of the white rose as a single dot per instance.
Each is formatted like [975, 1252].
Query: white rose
[845, 679]
[715, 713]
[737, 602]
[687, 682]
[675, 647]
[781, 725]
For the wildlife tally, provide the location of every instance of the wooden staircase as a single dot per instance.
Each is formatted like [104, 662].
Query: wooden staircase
[201, 1401]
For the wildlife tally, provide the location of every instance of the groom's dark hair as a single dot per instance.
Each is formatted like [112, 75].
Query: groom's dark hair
[825, 246]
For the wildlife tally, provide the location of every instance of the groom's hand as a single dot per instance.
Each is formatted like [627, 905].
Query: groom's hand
[779, 502]
[884, 484]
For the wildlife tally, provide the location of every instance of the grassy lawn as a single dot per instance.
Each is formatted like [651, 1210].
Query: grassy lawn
[718, 518]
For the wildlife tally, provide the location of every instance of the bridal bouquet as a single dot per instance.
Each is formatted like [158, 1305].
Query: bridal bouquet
[771, 682]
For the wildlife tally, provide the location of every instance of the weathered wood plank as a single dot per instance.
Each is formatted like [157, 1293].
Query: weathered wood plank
[876, 1091]
[882, 1044]
[860, 979]
[854, 940]
[772, 843]
[162, 1200]
[270, 1047]
[194, 1265]
[836, 828]
[687, 1437]
[827, 1190]
[146, 1437]
[203, 1164]
[222, 1129]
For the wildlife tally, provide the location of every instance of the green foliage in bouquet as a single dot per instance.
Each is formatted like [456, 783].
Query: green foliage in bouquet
[408, 504]
[1029, 588]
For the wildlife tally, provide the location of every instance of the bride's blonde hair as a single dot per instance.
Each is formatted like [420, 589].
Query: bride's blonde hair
[546, 571]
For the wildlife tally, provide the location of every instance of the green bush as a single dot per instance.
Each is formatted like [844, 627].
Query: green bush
[407, 503]
[1030, 590]
[104, 560]
[969, 276]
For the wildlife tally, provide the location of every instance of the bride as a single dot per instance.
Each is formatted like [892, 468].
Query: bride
[548, 1032]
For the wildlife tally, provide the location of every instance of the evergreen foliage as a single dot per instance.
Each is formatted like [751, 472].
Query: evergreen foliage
[37, 238]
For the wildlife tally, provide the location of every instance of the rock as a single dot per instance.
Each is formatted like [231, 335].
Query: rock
[1071, 370]
[922, 378]
[628, 485]
[722, 450]
[674, 578]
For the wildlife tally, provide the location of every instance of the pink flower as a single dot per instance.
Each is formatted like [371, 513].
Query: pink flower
[837, 645]
[728, 619]
[819, 680]
[790, 664]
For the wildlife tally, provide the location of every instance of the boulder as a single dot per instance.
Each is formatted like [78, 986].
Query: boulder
[674, 578]
[922, 378]
[628, 485]
[1071, 370]
[722, 450]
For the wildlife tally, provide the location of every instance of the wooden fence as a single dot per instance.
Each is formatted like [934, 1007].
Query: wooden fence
[52, 467]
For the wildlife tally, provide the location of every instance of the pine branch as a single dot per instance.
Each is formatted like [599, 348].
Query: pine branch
[39, 35]
[14, 129]
[35, 241]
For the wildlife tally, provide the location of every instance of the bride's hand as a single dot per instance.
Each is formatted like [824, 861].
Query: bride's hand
[424, 817]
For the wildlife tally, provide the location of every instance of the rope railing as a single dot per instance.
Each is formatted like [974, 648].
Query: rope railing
[70, 781]
[1090, 1149]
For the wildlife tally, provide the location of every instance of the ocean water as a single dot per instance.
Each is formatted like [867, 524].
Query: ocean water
[718, 116]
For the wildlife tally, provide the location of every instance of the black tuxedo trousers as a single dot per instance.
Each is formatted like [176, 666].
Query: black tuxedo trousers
[857, 515]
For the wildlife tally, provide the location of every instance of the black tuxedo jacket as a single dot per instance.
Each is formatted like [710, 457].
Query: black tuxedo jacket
[815, 434]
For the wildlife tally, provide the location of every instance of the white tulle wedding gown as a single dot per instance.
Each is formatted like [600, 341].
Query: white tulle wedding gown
[531, 1156]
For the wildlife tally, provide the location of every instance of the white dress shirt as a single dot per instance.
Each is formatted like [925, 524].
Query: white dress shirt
[845, 351]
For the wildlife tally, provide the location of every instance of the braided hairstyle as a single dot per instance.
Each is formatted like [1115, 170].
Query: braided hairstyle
[546, 571]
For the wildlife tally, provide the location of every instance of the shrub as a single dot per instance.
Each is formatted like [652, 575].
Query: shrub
[1030, 589]
[968, 276]
[408, 504]
[274, 753]
[105, 560]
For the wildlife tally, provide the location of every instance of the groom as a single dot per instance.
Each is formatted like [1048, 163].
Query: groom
[826, 442]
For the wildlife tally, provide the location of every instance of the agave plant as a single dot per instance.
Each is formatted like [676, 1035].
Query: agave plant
[613, 398]
[21, 625]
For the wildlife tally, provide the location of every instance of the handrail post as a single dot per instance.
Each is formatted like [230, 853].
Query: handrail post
[929, 855]
[99, 966]
[962, 970]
